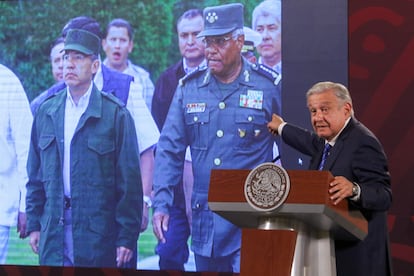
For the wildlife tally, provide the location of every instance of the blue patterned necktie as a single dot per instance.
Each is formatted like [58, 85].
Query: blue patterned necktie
[325, 154]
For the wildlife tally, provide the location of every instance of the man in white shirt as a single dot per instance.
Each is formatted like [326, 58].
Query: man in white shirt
[121, 86]
[15, 124]
[84, 194]
[118, 43]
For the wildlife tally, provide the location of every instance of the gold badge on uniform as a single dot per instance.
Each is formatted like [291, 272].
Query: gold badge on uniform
[242, 132]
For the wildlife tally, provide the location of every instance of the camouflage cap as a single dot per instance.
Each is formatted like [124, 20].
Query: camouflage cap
[220, 20]
[82, 41]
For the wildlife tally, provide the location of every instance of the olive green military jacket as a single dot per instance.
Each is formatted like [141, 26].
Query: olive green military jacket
[106, 188]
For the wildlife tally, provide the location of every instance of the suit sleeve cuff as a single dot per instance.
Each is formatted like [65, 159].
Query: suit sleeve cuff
[280, 128]
[357, 194]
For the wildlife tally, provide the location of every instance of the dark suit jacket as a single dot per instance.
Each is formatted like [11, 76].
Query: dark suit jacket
[163, 94]
[164, 91]
[358, 156]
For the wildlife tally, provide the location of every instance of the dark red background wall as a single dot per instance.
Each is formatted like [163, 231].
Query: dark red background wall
[381, 59]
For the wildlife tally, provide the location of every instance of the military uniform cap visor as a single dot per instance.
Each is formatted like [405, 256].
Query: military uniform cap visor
[82, 41]
[79, 48]
[215, 32]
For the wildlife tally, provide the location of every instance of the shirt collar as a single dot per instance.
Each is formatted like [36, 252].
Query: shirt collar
[83, 101]
[129, 70]
[333, 141]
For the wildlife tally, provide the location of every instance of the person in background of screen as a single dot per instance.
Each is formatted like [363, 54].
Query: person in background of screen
[221, 112]
[266, 20]
[122, 86]
[84, 194]
[118, 43]
[56, 61]
[174, 251]
[359, 166]
[251, 40]
[15, 123]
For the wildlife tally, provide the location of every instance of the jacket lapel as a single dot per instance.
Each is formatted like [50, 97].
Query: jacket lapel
[339, 145]
[314, 163]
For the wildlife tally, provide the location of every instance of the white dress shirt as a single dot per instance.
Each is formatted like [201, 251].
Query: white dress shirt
[15, 125]
[73, 112]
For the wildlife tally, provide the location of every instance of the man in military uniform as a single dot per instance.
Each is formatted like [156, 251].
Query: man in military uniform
[221, 112]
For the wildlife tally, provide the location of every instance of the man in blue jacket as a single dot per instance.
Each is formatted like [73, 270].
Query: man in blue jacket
[221, 112]
[84, 194]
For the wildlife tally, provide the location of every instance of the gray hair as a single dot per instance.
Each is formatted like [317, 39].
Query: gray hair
[340, 91]
[237, 32]
[266, 8]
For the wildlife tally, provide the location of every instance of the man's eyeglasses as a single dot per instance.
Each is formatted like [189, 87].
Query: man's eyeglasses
[75, 57]
[218, 41]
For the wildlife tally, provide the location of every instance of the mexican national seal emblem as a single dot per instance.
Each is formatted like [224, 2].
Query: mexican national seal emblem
[267, 187]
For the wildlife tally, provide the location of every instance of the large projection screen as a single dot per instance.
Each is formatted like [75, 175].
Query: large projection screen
[315, 48]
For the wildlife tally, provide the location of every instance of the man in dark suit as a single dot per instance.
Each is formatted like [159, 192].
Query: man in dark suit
[352, 153]
[174, 251]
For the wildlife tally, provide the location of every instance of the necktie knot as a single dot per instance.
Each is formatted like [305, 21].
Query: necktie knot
[325, 155]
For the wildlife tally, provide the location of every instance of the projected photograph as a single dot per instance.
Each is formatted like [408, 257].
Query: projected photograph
[113, 114]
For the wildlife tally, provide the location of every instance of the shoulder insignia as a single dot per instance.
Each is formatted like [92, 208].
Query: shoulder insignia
[267, 72]
[192, 74]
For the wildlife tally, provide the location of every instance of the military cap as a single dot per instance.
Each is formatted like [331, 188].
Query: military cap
[82, 41]
[251, 40]
[220, 20]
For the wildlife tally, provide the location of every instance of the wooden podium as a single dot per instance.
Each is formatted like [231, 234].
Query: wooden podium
[296, 238]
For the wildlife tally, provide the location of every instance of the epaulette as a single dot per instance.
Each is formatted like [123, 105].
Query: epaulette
[192, 74]
[267, 72]
[113, 98]
[56, 88]
[49, 96]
